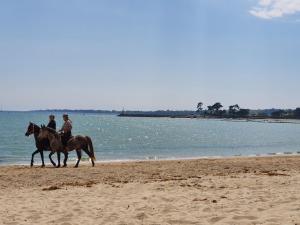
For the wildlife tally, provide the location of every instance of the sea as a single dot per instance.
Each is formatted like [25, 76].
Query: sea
[125, 139]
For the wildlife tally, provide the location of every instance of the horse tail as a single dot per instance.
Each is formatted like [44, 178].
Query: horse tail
[91, 148]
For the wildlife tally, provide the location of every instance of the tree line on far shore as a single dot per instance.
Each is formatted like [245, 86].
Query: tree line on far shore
[235, 111]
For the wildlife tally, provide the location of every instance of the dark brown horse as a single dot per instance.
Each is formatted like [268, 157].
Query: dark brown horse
[41, 144]
[77, 143]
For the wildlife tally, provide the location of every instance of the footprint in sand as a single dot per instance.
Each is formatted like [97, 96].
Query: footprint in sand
[216, 219]
[206, 210]
[144, 208]
[34, 217]
[260, 209]
[166, 199]
[78, 210]
[141, 216]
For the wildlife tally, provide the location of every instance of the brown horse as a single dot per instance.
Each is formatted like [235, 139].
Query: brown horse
[77, 143]
[41, 144]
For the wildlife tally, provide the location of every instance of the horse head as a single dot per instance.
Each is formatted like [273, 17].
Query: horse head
[31, 129]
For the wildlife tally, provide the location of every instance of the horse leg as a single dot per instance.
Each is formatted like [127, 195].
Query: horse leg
[42, 157]
[53, 163]
[32, 156]
[66, 158]
[89, 154]
[58, 159]
[78, 157]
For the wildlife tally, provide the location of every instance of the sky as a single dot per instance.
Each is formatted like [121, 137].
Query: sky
[149, 54]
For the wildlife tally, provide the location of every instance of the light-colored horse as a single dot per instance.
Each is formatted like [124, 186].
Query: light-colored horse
[77, 143]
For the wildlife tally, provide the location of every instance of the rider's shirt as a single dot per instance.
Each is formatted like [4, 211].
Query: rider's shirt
[67, 127]
[52, 124]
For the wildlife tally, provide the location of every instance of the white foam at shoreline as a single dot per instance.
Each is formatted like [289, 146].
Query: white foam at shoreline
[86, 162]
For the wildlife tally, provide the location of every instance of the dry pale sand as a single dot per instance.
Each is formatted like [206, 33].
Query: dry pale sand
[207, 191]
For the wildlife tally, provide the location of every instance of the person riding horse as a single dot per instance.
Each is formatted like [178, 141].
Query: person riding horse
[42, 144]
[54, 142]
[66, 130]
[52, 123]
[77, 142]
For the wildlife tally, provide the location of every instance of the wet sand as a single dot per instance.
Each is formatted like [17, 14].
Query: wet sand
[258, 190]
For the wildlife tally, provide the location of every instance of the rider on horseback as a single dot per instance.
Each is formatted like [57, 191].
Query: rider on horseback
[52, 123]
[66, 130]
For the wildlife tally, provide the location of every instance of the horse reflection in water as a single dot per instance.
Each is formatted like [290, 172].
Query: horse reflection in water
[77, 143]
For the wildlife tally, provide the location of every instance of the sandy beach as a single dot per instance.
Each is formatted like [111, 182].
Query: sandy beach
[258, 190]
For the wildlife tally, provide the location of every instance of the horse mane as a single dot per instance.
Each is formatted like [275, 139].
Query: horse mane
[52, 131]
[35, 125]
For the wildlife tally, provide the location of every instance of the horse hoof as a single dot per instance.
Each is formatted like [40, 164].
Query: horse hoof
[58, 166]
[42, 166]
[75, 166]
[65, 165]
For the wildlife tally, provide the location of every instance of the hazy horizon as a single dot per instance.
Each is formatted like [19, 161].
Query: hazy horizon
[144, 110]
[149, 55]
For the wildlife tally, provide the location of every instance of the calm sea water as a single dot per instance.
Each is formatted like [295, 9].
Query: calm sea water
[118, 138]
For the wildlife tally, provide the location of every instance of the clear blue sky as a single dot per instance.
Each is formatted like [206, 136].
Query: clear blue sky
[149, 54]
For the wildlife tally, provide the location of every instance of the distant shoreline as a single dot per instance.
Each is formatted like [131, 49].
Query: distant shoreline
[248, 119]
[167, 114]
[176, 114]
